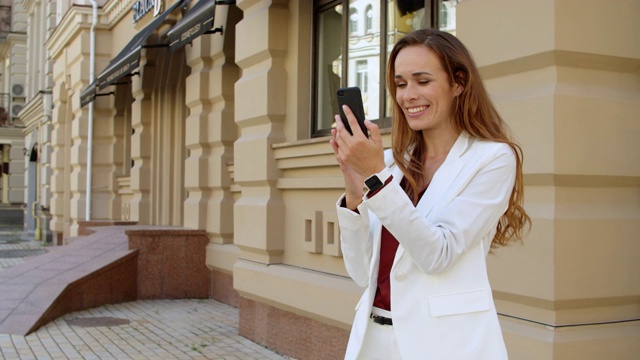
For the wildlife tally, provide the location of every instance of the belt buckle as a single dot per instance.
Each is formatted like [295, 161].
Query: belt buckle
[381, 320]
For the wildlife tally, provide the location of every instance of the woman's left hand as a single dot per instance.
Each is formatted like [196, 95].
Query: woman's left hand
[363, 155]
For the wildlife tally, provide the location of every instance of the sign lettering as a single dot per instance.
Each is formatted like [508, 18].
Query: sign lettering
[188, 33]
[118, 73]
[157, 8]
[142, 7]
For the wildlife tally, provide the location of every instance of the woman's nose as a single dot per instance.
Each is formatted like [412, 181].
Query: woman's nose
[409, 93]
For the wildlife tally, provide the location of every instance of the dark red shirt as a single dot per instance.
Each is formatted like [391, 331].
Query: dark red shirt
[388, 248]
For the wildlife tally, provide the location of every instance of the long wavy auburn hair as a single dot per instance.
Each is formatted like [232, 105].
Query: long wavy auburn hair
[473, 112]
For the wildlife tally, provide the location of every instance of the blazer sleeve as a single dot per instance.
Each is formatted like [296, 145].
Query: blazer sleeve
[458, 222]
[356, 242]
[357, 231]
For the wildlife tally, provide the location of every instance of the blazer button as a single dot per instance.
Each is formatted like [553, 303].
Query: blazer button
[401, 277]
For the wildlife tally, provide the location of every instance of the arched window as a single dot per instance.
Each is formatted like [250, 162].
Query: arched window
[368, 19]
[353, 20]
[444, 16]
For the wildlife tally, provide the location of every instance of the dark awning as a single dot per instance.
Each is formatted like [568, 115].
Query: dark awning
[88, 95]
[197, 21]
[129, 58]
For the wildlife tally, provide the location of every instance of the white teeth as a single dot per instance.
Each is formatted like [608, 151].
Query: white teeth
[416, 109]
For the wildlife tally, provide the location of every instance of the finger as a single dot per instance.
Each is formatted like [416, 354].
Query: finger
[339, 127]
[341, 131]
[334, 146]
[353, 121]
[374, 130]
[339, 124]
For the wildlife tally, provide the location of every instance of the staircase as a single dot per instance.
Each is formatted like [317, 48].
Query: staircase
[111, 264]
[11, 215]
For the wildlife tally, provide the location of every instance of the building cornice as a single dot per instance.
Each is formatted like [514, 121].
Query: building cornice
[116, 10]
[32, 113]
[29, 5]
[17, 38]
[77, 19]
[8, 135]
[12, 39]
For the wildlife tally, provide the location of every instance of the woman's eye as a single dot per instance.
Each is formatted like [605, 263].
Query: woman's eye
[401, 85]
[424, 82]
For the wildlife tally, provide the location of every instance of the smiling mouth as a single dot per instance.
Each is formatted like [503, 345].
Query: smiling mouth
[416, 109]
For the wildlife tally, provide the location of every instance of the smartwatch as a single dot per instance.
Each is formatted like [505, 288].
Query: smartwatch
[376, 181]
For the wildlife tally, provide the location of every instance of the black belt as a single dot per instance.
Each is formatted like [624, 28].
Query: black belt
[381, 319]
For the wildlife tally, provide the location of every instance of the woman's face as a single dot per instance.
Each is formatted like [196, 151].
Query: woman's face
[423, 90]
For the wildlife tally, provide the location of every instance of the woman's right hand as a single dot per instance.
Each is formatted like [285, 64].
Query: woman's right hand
[352, 180]
[358, 155]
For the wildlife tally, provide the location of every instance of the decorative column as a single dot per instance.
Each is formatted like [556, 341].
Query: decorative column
[59, 162]
[16, 159]
[79, 129]
[260, 113]
[44, 164]
[211, 131]
[564, 75]
[141, 140]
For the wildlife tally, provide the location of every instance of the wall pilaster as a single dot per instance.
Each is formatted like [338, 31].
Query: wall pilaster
[211, 130]
[571, 95]
[141, 111]
[78, 158]
[59, 164]
[260, 108]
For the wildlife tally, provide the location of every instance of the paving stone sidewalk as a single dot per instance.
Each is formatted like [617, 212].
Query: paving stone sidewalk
[151, 329]
[15, 246]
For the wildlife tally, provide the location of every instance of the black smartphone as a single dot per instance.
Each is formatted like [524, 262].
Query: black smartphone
[352, 97]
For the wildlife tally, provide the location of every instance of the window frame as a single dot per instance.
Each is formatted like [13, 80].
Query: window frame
[319, 6]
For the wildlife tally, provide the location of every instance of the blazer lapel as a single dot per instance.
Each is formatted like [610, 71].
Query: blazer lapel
[442, 179]
[444, 176]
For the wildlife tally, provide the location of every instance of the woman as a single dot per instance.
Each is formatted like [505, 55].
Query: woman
[433, 206]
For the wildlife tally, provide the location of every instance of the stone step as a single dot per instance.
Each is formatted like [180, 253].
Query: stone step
[11, 215]
[112, 264]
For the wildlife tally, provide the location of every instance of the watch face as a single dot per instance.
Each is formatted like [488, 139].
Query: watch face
[373, 183]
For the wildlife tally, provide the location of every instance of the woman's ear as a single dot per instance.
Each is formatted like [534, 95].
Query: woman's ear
[457, 85]
[457, 89]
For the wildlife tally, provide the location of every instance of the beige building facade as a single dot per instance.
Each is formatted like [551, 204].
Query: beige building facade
[227, 134]
[40, 21]
[13, 89]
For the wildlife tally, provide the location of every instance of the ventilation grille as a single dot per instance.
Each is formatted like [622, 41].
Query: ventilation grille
[17, 90]
[15, 109]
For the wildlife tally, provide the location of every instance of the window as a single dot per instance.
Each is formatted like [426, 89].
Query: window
[353, 20]
[345, 55]
[362, 69]
[368, 20]
[447, 16]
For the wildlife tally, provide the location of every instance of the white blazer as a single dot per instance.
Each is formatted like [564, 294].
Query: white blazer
[441, 299]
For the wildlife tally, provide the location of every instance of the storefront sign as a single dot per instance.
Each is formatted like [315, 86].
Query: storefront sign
[191, 32]
[118, 73]
[142, 7]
